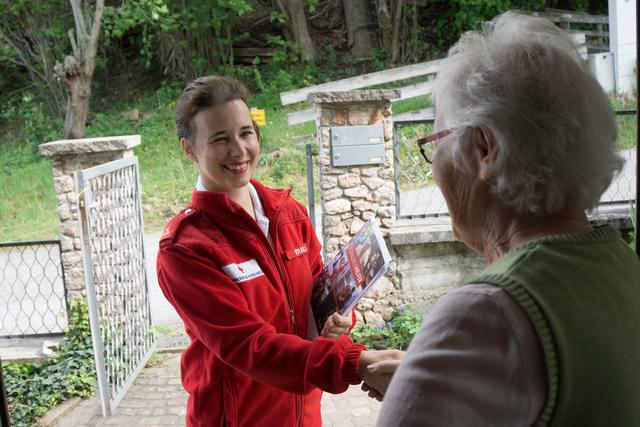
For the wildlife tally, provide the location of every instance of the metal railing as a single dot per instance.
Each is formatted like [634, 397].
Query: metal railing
[33, 295]
[417, 195]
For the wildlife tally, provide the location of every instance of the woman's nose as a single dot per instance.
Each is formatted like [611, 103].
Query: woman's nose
[237, 146]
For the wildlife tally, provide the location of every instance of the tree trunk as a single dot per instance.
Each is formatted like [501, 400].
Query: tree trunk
[395, 38]
[414, 31]
[361, 37]
[77, 70]
[75, 120]
[297, 20]
[386, 25]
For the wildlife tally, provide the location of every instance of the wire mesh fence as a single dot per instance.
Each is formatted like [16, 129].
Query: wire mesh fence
[417, 195]
[33, 299]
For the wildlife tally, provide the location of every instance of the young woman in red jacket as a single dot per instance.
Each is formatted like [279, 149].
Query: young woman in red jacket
[237, 264]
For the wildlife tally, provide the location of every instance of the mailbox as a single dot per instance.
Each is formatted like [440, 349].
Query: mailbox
[357, 145]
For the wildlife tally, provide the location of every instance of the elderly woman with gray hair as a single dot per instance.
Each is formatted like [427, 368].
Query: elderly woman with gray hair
[549, 333]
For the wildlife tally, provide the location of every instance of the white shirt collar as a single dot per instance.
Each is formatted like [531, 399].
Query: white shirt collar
[199, 185]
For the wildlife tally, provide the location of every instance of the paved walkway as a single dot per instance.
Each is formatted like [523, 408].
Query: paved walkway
[156, 398]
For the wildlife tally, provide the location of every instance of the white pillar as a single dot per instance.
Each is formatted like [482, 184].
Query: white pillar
[622, 42]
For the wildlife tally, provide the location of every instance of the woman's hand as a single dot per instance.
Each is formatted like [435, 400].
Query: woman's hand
[336, 326]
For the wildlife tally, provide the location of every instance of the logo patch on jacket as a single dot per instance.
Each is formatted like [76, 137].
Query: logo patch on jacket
[242, 272]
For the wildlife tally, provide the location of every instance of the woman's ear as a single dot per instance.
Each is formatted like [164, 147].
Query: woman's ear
[485, 151]
[187, 149]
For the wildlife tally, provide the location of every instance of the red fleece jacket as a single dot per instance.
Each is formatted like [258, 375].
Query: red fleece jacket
[245, 306]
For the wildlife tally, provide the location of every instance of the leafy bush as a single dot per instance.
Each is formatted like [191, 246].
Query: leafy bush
[396, 333]
[33, 389]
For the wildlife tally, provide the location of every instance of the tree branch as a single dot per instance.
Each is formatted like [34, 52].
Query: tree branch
[90, 56]
[81, 26]
[74, 45]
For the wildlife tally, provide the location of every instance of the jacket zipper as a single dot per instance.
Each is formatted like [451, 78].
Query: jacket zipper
[287, 288]
[278, 263]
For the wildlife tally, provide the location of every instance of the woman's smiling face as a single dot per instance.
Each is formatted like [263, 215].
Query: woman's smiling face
[225, 147]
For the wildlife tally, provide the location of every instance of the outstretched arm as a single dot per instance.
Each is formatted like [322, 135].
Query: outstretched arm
[215, 310]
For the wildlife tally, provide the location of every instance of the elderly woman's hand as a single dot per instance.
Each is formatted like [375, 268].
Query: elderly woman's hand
[377, 369]
[336, 326]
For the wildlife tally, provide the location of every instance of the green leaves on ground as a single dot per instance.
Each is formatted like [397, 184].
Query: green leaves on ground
[33, 389]
[396, 333]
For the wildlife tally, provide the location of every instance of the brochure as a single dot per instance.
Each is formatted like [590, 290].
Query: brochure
[346, 278]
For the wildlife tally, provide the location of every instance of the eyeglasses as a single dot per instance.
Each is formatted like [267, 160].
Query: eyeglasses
[426, 149]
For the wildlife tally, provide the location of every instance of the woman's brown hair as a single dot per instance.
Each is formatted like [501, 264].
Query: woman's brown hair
[205, 92]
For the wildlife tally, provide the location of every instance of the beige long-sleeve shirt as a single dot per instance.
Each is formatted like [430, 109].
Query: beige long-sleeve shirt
[476, 361]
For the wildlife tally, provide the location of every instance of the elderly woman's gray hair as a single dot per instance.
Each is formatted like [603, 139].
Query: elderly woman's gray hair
[554, 128]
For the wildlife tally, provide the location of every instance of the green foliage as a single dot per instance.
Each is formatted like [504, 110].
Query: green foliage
[455, 17]
[396, 333]
[147, 16]
[29, 123]
[33, 35]
[33, 389]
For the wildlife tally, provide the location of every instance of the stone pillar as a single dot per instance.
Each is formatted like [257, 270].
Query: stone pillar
[67, 157]
[350, 195]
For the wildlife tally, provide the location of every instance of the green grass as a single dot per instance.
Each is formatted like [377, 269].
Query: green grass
[626, 132]
[28, 206]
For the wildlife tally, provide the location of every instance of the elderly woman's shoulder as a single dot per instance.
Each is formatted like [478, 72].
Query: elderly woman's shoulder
[472, 297]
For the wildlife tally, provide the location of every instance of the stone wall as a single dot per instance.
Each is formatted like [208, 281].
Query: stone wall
[431, 262]
[69, 156]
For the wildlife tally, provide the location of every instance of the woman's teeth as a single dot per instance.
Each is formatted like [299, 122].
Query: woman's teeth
[237, 167]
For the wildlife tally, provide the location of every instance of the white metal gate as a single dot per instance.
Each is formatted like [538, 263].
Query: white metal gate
[112, 237]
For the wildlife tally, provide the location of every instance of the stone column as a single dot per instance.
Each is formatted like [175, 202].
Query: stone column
[67, 157]
[350, 195]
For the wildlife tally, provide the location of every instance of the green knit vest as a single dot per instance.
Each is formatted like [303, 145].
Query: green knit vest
[582, 296]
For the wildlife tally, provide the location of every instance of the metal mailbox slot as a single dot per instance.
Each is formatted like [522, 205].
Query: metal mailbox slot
[357, 145]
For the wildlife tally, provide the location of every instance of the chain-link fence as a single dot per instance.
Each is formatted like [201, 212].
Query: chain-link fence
[417, 195]
[33, 298]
